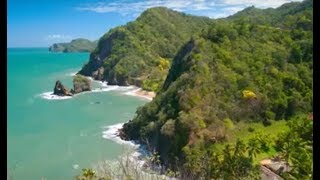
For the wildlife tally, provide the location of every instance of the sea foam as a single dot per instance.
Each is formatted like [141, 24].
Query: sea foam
[75, 166]
[140, 152]
[112, 133]
[51, 96]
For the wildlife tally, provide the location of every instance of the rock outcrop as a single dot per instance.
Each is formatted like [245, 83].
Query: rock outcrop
[60, 90]
[80, 84]
[272, 168]
[98, 74]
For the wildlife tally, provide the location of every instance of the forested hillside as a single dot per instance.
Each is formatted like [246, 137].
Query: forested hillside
[251, 67]
[141, 51]
[230, 91]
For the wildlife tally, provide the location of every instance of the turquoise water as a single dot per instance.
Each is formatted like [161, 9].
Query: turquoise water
[46, 138]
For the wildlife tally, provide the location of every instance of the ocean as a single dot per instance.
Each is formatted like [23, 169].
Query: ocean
[54, 138]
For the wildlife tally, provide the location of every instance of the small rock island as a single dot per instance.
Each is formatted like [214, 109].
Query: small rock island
[80, 84]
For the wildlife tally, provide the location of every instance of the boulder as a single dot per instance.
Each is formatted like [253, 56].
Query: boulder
[60, 90]
[80, 84]
[272, 168]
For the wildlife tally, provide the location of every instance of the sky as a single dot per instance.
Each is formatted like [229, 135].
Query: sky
[40, 23]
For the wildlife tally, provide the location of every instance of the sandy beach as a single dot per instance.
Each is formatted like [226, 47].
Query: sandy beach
[142, 93]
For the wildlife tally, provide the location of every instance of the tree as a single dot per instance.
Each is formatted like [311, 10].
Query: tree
[295, 146]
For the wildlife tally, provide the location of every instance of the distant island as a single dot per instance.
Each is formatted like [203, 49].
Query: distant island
[76, 45]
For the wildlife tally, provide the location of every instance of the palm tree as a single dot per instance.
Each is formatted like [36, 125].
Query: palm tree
[253, 147]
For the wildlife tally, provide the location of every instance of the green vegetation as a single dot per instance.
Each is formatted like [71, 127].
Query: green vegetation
[293, 15]
[134, 53]
[80, 84]
[236, 70]
[141, 51]
[235, 160]
[76, 45]
[296, 147]
[226, 88]
[242, 130]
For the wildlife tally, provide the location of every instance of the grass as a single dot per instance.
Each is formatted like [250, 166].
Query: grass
[241, 131]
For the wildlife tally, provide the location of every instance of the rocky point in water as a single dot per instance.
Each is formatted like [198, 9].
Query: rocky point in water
[60, 90]
[80, 84]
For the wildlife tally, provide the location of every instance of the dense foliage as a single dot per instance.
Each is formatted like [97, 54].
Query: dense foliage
[76, 45]
[295, 146]
[210, 76]
[141, 51]
[233, 161]
[236, 69]
[288, 16]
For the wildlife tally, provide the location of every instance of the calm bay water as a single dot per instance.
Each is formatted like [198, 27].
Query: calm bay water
[50, 138]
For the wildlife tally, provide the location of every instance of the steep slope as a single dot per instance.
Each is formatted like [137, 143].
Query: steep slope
[234, 70]
[141, 51]
[76, 45]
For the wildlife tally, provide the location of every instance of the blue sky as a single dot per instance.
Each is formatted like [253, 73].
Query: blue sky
[39, 23]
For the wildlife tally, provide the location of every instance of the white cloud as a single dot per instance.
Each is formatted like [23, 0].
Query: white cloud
[211, 8]
[225, 12]
[124, 7]
[57, 37]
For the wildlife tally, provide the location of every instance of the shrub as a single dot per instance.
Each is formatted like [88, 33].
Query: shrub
[251, 129]
[267, 123]
[228, 123]
[168, 128]
[270, 115]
